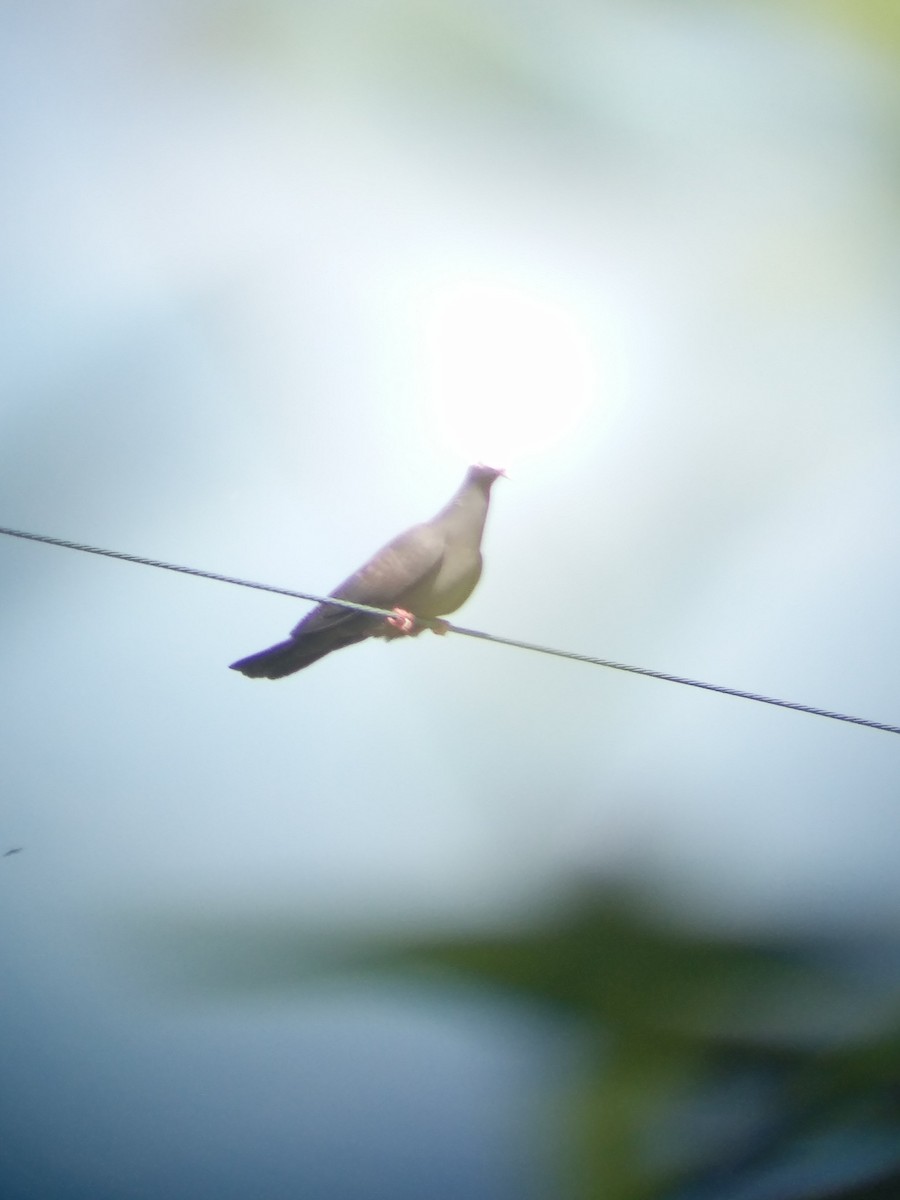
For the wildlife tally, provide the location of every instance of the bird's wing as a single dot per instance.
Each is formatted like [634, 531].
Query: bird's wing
[397, 569]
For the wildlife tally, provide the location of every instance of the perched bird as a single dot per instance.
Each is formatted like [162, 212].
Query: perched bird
[424, 573]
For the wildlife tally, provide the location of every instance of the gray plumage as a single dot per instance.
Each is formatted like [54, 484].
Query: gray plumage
[430, 570]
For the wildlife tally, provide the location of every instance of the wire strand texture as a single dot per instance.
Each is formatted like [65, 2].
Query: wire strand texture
[458, 629]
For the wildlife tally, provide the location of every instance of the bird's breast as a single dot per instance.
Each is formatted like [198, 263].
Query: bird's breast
[447, 589]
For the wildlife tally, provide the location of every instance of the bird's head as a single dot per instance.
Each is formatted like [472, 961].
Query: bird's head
[484, 475]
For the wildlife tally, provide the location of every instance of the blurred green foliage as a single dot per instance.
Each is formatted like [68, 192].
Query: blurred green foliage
[877, 21]
[708, 1067]
[671, 1020]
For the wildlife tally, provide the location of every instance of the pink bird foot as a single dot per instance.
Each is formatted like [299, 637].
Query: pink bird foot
[402, 621]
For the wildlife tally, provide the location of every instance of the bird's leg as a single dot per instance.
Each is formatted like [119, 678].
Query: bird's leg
[402, 621]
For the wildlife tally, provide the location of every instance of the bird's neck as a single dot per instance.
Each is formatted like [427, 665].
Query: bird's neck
[468, 509]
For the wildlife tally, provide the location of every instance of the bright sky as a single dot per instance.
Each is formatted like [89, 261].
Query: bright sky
[266, 297]
[512, 371]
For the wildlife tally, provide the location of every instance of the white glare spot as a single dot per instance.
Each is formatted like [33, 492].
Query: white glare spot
[508, 372]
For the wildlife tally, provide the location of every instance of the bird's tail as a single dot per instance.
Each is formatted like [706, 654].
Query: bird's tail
[278, 661]
[304, 647]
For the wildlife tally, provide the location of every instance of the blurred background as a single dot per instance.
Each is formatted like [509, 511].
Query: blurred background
[444, 918]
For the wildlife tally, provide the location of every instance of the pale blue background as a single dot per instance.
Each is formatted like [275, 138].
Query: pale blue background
[217, 227]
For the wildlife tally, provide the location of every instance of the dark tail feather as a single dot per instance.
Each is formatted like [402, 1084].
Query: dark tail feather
[276, 662]
[295, 654]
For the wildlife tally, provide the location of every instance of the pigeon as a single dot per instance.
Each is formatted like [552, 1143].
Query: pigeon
[426, 572]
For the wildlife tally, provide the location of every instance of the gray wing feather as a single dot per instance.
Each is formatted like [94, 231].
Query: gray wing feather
[382, 582]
